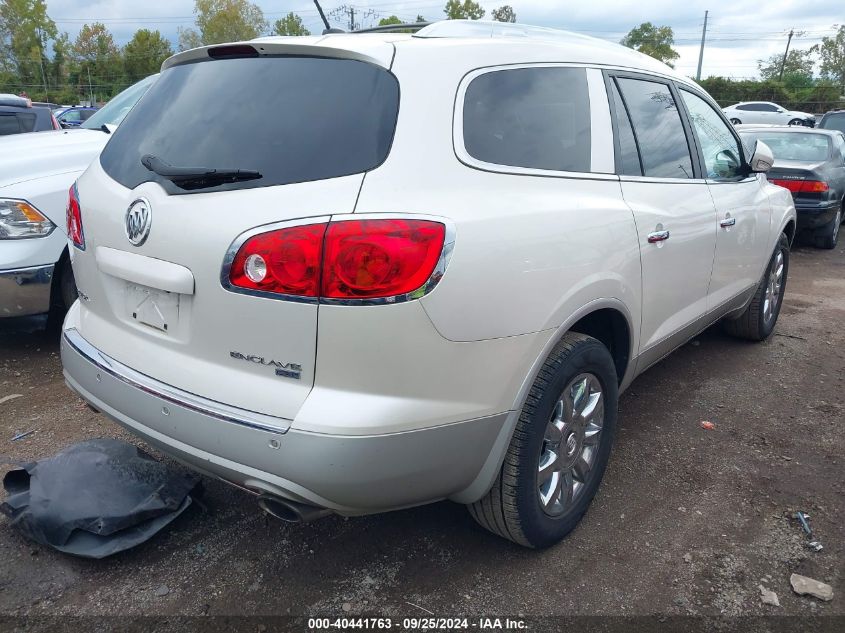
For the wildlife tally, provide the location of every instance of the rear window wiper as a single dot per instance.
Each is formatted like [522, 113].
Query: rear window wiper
[196, 177]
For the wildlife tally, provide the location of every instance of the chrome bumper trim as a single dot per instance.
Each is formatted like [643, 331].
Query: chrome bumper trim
[25, 291]
[212, 408]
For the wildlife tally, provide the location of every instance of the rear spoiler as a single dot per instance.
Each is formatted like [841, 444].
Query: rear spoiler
[373, 51]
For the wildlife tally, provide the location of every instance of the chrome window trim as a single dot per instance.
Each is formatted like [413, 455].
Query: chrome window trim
[198, 404]
[427, 287]
[606, 140]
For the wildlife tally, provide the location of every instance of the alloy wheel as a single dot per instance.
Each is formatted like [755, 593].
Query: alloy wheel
[571, 444]
[773, 288]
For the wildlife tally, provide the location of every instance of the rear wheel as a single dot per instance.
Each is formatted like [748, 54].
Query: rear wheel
[828, 235]
[759, 319]
[560, 447]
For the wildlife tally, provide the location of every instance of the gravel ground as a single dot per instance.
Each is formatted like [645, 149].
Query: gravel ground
[688, 521]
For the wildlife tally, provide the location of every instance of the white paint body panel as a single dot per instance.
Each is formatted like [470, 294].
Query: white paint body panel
[534, 252]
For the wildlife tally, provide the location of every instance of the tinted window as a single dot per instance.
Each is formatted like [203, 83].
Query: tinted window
[658, 129]
[839, 142]
[835, 121]
[529, 117]
[722, 156]
[746, 107]
[768, 107]
[9, 124]
[292, 119]
[86, 114]
[800, 146]
[628, 159]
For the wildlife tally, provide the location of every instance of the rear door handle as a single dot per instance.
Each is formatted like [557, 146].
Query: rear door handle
[727, 222]
[658, 236]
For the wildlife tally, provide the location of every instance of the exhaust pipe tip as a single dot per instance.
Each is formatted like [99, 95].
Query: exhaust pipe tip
[291, 511]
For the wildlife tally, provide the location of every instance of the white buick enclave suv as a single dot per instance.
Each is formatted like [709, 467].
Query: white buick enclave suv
[361, 272]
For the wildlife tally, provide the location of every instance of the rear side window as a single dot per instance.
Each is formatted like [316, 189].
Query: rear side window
[9, 124]
[27, 121]
[658, 128]
[834, 121]
[292, 119]
[536, 118]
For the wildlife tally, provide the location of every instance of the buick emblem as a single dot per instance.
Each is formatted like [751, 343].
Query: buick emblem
[138, 221]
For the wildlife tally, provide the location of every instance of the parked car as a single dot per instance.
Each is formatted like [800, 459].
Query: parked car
[74, 116]
[767, 113]
[487, 282]
[18, 115]
[811, 164]
[833, 120]
[36, 171]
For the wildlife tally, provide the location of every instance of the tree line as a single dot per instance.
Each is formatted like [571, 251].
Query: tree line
[38, 60]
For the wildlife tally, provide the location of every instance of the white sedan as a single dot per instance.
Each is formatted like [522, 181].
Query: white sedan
[767, 112]
[36, 171]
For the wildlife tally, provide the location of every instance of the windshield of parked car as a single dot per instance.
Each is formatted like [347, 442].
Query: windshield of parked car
[113, 112]
[288, 119]
[798, 146]
[834, 122]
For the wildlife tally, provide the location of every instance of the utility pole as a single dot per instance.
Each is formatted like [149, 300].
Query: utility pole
[351, 18]
[41, 63]
[785, 53]
[701, 52]
[90, 87]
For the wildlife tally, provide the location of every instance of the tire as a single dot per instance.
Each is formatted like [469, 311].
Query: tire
[760, 317]
[64, 289]
[796, 122]
[736, 122]
[579, 372]
[828, 236]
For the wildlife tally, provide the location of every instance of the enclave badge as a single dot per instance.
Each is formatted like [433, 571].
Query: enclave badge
[138, 221]
[286, 370]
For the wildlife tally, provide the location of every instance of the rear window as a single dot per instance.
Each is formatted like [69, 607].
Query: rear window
[834, 121]
[793, 145]
[537, 118]
[292, 119]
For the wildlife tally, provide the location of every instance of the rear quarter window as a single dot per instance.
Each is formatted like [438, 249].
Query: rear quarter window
[535, 118]
[293, 119]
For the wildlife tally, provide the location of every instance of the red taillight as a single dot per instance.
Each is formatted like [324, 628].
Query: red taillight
[74, 219]
[802, 186]
[352, 259]
[55, 122]
[285, 262]
[366, 259]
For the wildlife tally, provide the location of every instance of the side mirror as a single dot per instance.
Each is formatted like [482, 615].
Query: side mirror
[761, 159]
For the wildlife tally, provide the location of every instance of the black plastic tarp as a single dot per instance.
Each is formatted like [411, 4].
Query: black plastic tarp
[95, 498]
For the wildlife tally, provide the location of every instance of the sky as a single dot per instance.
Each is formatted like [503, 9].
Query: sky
[737, 34]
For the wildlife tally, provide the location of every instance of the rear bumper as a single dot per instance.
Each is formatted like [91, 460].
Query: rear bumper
[815, 215]
[25, 291]
[349, 474]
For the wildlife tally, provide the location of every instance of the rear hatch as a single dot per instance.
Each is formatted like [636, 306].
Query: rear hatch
[306, 128]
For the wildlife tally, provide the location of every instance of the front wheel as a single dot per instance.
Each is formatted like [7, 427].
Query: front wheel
[796, 122]
[736, 121]
[759, 319]
[559, 449]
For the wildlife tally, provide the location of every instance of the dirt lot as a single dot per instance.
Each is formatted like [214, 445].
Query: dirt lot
[688, 521]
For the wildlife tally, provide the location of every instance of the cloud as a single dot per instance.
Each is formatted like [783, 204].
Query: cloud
[737, 35]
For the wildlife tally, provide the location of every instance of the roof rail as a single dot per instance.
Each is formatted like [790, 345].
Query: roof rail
[483, 28]
[397, 28]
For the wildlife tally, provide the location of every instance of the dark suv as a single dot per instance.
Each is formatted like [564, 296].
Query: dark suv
[17, 115]
[834, 120]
